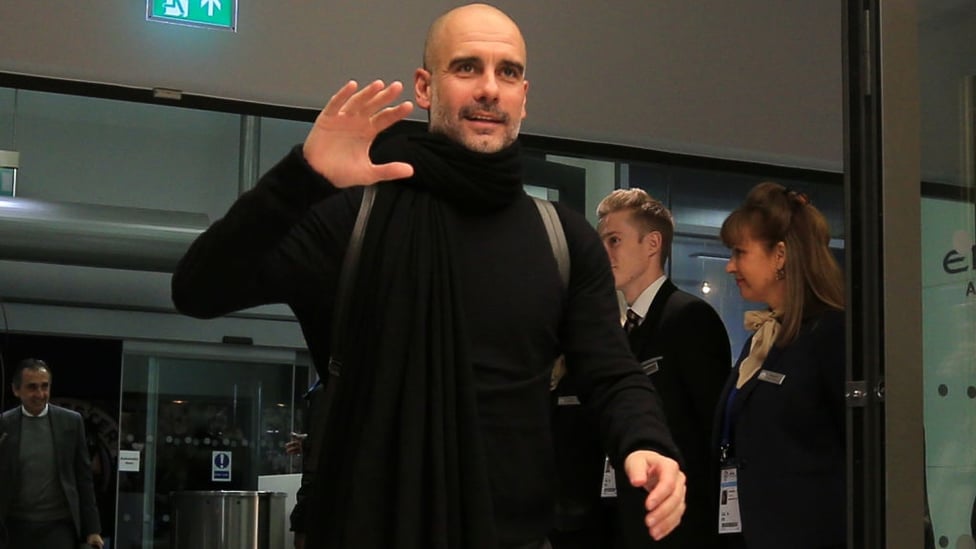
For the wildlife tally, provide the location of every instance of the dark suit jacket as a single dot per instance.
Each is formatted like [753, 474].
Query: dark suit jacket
[73, 465]
[684, 348]
[789, 441]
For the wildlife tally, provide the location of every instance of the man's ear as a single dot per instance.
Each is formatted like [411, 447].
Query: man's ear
[421, 88]
[653, 240]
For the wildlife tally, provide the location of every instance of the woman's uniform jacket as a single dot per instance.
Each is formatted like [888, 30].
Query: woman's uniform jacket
[788, 440]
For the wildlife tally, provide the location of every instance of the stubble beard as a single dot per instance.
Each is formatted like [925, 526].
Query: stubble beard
[450, 125]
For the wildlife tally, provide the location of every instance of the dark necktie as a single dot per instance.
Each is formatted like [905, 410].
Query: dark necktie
[633, 320]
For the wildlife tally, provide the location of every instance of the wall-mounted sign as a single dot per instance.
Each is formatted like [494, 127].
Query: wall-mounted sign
[129, 461]
[220, 466]
[219, 14]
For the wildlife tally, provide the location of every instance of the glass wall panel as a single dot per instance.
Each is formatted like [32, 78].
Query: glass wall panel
[947, 65]
[949, 350]
[601, 180]
[199, 424]
[119, 153]
[277, 138]
[8, 98]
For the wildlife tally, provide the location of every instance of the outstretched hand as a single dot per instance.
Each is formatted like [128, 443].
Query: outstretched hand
[665, 483]
[338, 145]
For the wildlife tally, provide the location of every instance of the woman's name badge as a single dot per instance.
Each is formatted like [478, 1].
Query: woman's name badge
[770, 376]
[728, 503]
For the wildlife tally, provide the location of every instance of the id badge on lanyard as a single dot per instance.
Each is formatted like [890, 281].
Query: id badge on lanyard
[729, 521]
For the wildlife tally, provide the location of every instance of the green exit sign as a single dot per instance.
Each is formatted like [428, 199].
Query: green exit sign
[220, 14]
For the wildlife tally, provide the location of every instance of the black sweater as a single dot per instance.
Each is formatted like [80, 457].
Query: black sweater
[283, 242]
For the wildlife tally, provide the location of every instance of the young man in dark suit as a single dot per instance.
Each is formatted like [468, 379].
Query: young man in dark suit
[47, 500]
[682, 346]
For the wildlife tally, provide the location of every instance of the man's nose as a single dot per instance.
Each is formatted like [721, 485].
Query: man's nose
[488, 88]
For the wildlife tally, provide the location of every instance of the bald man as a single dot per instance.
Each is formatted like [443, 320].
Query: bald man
[439, 431]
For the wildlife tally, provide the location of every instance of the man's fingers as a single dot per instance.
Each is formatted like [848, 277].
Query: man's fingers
[391, 115]
[337, 101]
[382, 97]
[359, 102]
[663, 526]
[371, 101]
[635, 466]
[660, 485]
[665, 516]
[665, 483]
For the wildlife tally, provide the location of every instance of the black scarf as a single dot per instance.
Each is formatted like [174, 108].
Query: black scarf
[403, 465]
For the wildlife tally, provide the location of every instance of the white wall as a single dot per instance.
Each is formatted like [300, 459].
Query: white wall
[751, 79]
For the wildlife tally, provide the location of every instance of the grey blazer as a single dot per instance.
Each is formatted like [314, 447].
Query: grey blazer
[73, 464]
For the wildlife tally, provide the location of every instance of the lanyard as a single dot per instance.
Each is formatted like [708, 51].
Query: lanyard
[727, 419]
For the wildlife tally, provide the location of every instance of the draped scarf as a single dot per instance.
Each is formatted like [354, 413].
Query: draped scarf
[402, 464]
[765, 324]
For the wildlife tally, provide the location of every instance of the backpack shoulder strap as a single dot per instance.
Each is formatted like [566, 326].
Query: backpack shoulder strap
[319, 413]
[560, 250]
[347, 273]
[557, 237]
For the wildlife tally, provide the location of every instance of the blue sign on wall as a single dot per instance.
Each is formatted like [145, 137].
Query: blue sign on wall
[220, 466]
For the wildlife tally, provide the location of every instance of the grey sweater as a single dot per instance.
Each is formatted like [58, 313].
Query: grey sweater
[39, 493]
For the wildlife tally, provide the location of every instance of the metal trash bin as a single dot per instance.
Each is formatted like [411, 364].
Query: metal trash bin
[225, 519]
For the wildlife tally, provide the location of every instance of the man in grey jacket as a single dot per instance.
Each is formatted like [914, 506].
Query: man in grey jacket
[48, 496]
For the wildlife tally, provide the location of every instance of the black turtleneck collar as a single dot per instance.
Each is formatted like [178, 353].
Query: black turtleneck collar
[467, 179]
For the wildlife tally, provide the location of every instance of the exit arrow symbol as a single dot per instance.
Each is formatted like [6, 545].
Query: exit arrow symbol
[210, 4]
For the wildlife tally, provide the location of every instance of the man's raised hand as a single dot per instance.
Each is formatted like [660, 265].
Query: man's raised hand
[338, 145]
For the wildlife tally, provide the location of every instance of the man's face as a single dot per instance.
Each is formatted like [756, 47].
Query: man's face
[35, 390]
[474, 85]
[632, 257]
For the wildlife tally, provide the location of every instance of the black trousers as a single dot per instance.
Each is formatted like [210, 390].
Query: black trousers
[543, 544]
[25, 534]
[736, 541]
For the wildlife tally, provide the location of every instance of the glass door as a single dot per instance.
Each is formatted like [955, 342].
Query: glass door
[198, 418]
[884, 385]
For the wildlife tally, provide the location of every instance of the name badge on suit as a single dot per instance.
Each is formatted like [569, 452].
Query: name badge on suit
[652, 365]
[770, 376]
